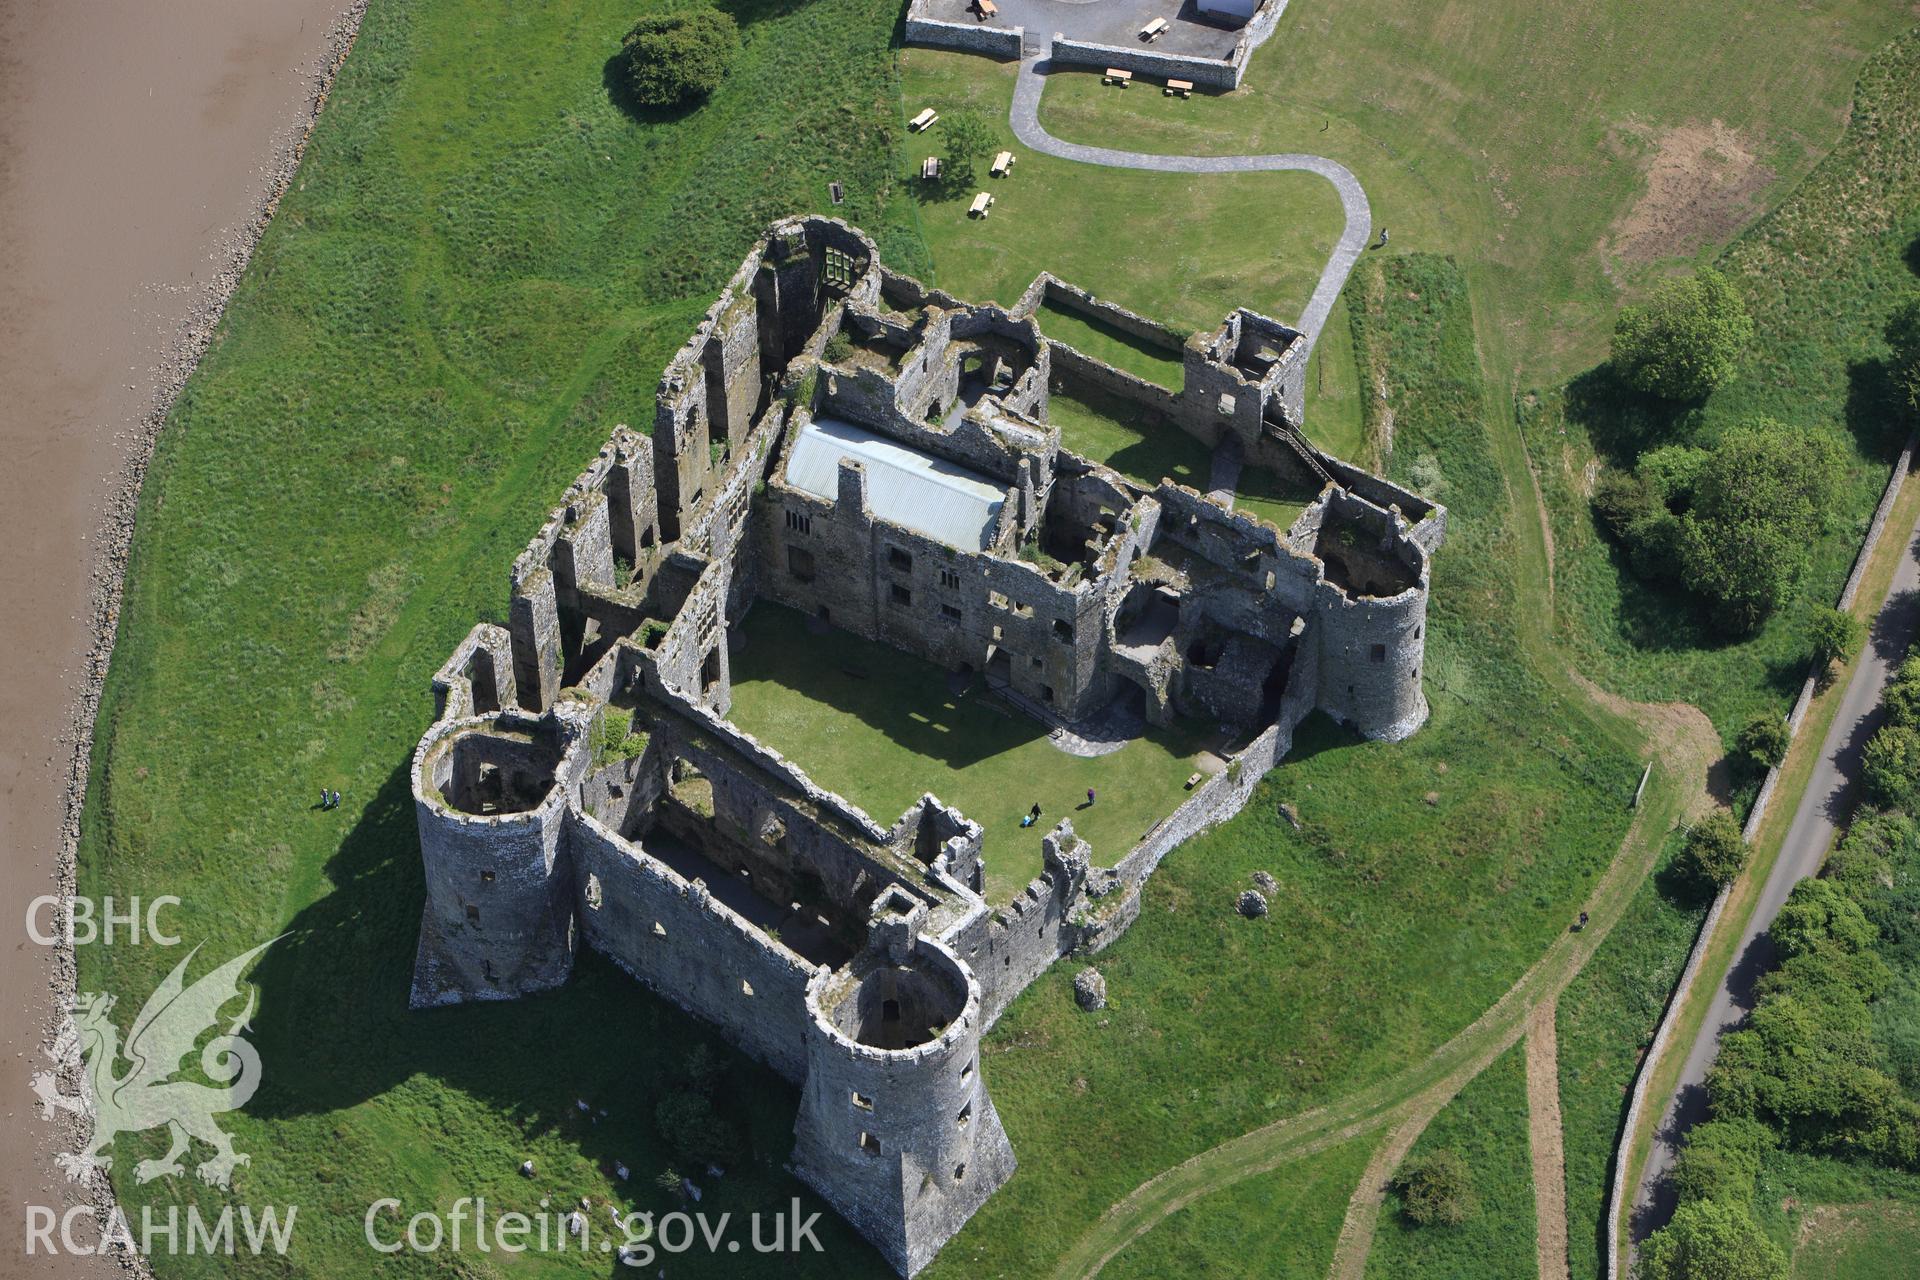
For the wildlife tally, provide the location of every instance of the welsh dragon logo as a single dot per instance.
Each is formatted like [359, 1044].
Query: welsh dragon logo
[145, 1096]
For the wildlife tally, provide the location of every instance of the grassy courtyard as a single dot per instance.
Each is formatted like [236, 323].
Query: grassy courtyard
[880, 727]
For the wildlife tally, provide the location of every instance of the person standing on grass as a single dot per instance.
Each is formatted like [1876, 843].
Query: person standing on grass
[1089, 797]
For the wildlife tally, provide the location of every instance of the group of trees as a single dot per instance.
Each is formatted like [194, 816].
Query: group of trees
[679, 58]
[1810, 1071]
[1734, 522]
[1890, 764]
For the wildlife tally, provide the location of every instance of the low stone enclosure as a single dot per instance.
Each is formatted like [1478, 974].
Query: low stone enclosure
[1207, 45]
[875, 453]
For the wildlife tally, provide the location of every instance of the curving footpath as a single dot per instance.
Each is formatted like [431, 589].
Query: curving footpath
[1025, 118]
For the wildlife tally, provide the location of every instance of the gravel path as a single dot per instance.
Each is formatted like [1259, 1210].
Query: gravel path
[1354, 238]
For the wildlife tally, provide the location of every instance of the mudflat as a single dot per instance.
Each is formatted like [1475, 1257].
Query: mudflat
[138, 142]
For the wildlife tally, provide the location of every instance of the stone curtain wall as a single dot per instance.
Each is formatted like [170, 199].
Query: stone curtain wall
[982, 38]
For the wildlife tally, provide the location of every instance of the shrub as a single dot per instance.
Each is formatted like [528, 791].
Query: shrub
[1722, 1161]
[1621, 500]
[1901, 697]
[1764, 739]
[1835, 634]
[1714, 852]
[1684, 341]
[1711, 1240]
[1890, 766]
[1671, 472]
[1437, 1190]
[839, 347]
[677, 58]
[693, 1130]
[1757, 505]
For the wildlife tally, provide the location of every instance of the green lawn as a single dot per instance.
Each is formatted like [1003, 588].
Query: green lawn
[1839, 1220]
[1118, 348]
[1183, 249]
[1108, 430]
[1262, 493]
[879, 727]
[1606, 1020]
[1485, 1125]
[1279, 1225]
[1527, 139]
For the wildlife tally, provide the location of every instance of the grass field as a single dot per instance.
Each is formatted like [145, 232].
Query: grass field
[1485, 1125]
[1108, 430]
[1821, 274]
[1605, 1021]
[879, 727]
[1838, 1220]
[1118, 348]
[1563, 151]
[1279, 1225]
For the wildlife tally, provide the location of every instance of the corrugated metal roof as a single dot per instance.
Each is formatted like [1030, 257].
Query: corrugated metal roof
[929, 495]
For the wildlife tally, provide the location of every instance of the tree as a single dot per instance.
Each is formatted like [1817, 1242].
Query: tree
[1757, 505]
[1722, 1161]
[1903, 335]
[694, 1131]
[1764, 738]
[681, 57]
[1437, 1190]
[967, 137]
[1685, 340]
[1902, 695]
[1711, 1240]
[1835, 634]
[1890, 766]
[1714, 852]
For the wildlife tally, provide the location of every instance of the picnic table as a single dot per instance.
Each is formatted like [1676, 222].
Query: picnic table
[924, 120]
[986, 9]
[1001, 164]
[1153, 29]
[981, 203]
[1179, 89]
[930, 168]
[1116, 75]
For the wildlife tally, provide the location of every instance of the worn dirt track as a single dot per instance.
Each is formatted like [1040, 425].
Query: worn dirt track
[140, 145]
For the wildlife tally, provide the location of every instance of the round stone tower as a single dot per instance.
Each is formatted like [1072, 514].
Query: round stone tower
[896, 1129]
[490, 800]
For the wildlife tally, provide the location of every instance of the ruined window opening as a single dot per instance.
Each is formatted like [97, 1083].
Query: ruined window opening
[1378, 653]
[826, 614]
[646, 537]
[950, 613]
[861, 1100]
[967, 1070]
[594, 893]
[1046, 693]
[799, 521]
[889, 1011]
[900, 595]
[800, 563]
[473, 914]
[486, 877]
[840, 268]
[695, 500]
[746, 988]
[1063, 631]
[949, 579]
[997, 600]
[898, 559]
[1038, 663]
[965, 1116]
[1416, 673]
[659, 930]
[710, 669]
[1417, 631]
[959, 1172]
[869, 1143]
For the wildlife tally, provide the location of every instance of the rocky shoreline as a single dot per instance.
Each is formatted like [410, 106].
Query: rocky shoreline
[114, 539]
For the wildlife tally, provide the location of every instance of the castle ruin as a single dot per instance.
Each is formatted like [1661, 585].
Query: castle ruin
[876, 454]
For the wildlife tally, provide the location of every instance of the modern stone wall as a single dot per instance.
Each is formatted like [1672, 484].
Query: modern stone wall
[982, 38]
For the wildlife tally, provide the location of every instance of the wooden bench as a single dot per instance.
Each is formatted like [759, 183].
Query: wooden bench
[1002, 163]
[1153, 29]
[1116, 76]
[987, 9]
[923, 121]
[1179, 89]
[930, 168]
[981, 203]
